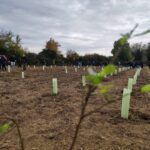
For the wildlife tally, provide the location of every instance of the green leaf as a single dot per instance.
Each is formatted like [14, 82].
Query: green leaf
[94, 79]
[4, 128]
[105, 89]
[109, 69]
[145, 88]
[123, 40]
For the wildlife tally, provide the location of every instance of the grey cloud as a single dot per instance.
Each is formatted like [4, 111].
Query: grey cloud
[86, 26]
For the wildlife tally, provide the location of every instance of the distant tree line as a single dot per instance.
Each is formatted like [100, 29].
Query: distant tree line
[11, 47]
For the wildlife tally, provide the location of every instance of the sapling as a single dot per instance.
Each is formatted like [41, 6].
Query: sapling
[75, 69]
[127, 94]
[130, 84]
[96, 79]
[83, 81]
[6, 126]
[119, 70]
[66, 70]
[8, 68]
[95, 82]
[43, 68]
[22, 75]
[135, 79]
[54, 86]
[145, 91]
[145, 88]
[125, 103]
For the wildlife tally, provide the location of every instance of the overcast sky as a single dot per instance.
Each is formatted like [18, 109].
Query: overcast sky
[87, 26]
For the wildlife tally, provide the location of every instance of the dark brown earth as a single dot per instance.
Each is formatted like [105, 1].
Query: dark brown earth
[48, 122]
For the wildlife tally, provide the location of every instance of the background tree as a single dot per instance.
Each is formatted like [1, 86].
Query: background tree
[148, 52]
[32, 58]
[121, 52]
[52, 45]
[122, 43]
[47, 57]
[139, 52]
[5, 42]
[9, 46]
[72, 57]
[50, 54]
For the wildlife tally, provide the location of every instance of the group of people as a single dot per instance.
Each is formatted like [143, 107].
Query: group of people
[4, 62]
[12, 61]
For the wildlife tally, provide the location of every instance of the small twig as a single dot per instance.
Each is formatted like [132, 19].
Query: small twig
[18, 130]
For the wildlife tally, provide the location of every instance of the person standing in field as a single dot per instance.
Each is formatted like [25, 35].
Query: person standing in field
[3, 62]
[24, 62]
[0, 62]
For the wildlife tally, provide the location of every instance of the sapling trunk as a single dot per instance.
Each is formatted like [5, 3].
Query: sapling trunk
[91, 89]
[83, 115]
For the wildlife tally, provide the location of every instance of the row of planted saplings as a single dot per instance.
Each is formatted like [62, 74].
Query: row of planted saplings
[127, 94]
[9, 68]
[55, 81]
[55, 85]
[23, 73]
[66, 70]
[83, 81]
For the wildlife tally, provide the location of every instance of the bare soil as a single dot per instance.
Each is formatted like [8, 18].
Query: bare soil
[48, 122]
